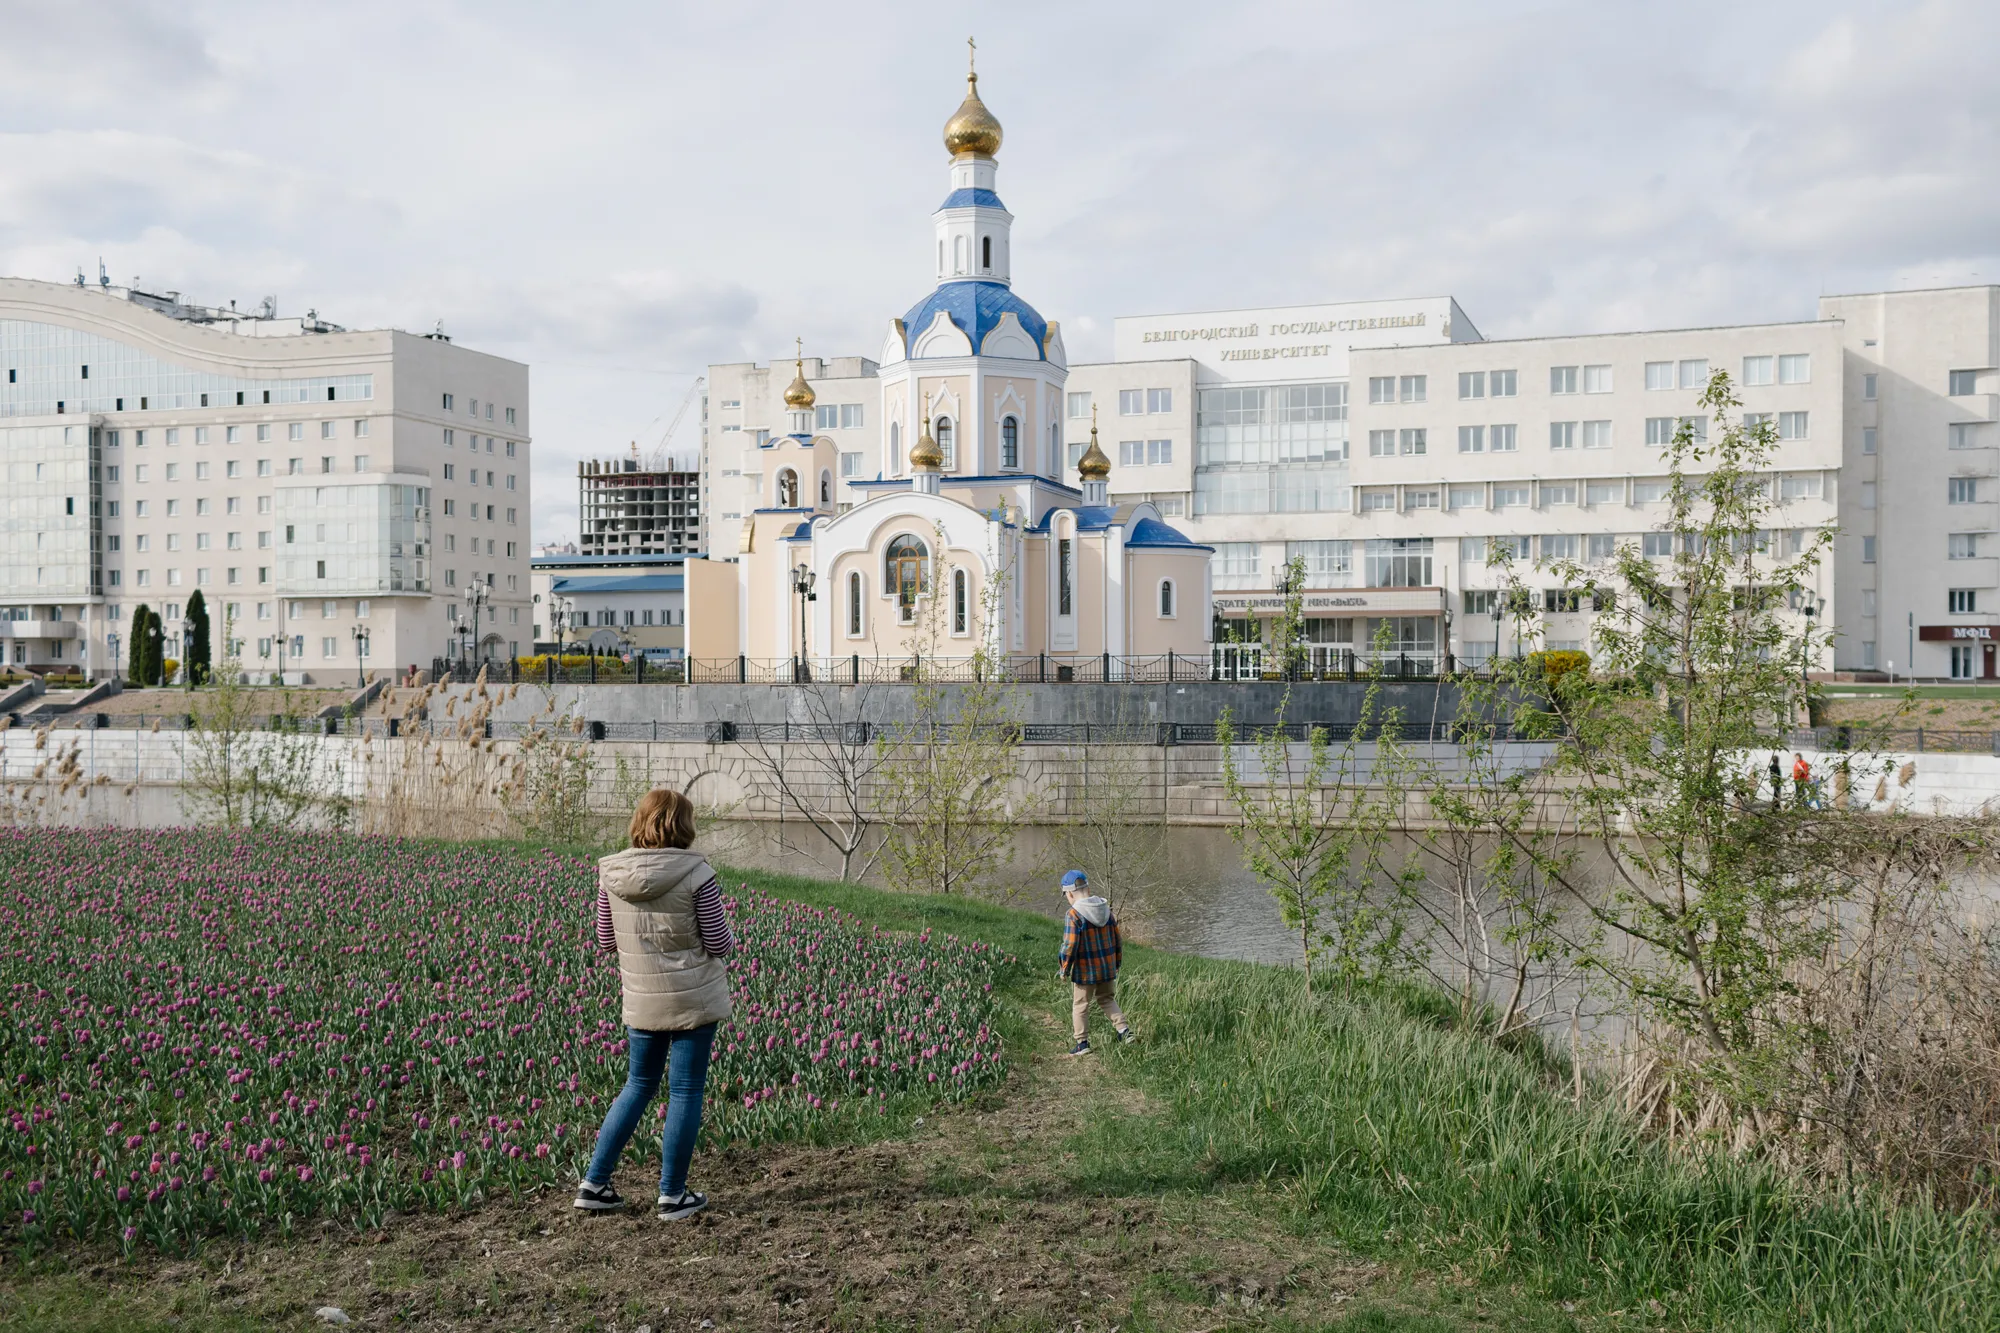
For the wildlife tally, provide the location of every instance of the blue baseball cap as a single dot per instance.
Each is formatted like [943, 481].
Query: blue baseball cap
[1074, 879]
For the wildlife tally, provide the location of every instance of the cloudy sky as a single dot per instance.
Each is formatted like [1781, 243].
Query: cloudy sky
[620, 193]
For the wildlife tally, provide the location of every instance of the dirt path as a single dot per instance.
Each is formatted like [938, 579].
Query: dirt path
[967, 1224]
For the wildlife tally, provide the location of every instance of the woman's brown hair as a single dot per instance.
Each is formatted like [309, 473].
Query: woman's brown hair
[664, 819]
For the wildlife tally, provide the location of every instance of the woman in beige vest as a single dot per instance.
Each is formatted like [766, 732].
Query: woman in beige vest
[660, 910]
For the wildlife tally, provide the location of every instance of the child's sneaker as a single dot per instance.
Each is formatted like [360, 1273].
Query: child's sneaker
[1082, 1046]
[1125, 1035]
[672, 1208]
[597, 1198]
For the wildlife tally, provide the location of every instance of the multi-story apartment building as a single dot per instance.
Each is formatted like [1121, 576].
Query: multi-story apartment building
[1389, 446]
[333, 494]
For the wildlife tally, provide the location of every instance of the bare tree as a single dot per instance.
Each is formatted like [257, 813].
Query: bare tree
[822, 764]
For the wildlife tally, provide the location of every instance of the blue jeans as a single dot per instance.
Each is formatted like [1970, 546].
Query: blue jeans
[683, 1057]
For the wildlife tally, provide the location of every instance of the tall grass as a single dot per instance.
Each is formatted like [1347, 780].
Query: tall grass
[1397, 1135]
[1378, 1124]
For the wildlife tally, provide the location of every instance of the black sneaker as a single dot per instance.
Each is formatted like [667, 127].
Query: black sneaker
[597, 1198]
[1125, 1035]
[672, 1209]
[1082, 1046]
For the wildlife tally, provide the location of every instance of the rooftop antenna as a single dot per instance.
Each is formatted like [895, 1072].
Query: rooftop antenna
[79, 275]
[103, 278]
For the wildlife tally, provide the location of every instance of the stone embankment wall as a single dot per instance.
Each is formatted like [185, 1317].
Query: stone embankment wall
[137, 778]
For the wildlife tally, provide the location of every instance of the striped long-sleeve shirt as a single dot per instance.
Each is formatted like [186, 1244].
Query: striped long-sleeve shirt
[717, 939]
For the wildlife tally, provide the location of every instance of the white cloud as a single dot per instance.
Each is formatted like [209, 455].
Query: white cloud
[619, 211]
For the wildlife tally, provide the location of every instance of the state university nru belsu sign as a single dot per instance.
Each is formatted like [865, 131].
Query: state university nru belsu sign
[1336, 602]
[1958, 633]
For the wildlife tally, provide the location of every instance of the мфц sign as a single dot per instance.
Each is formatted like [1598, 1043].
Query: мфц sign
[1932, 633]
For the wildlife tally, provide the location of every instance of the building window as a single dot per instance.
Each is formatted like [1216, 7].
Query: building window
[1166, 599]
[1131, 402]
[1159, 401]
[961, 602]
[1659, 374]
[1659, 431]
[1413, 441]
[1236, 562]
[1868, 387]
[1962, 490]
[1500, 383]
[895, 447]
[1756, 370]
[1399, 562]
[947, 443]
[986, 253]
[1381, 389]
[904, 573]
[1694, 373]
[1958, 545]
[1963, 382]
[1326, 563]
[1065, 577]
[1381, 444]
[1471, 384]
[1963, 601]
[1597, 379]
[825, 487]
[1501, 439]
[1696, 427]
[854, 605]
[1079, 405]
[850, 465]
[1961, 661]
[788, 489]
[1597, 435]
[1562, 379]
[1010, 443]
[1868, 438]
[1792, 425]
[1472, 439]
[1795, 369]
[1562, 435]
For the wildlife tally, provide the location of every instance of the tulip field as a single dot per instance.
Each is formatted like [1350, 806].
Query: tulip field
[218, 1034]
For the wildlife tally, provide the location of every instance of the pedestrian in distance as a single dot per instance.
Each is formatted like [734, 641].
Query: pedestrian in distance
[1091, 950]
[1777, 783]
[1801, 779]
[660, 911]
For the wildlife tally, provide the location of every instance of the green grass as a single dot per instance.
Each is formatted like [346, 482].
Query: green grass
[1884, 690]
[1375, 1124]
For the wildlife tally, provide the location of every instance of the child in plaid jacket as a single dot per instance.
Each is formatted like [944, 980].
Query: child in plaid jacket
[1091, 950]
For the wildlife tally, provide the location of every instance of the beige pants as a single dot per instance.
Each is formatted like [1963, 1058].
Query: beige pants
[1106, 995]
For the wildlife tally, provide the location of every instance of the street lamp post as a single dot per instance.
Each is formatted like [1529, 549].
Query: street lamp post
[802, 584]
[186, 626]
[360, 634]
[476, 595]
[111, 647]
[159, 634]
[1496, 625]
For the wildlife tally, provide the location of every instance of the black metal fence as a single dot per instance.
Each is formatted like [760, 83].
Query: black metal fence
[1017, 669]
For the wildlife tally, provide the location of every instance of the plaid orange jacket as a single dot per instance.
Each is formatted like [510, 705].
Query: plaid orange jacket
[1090, 954]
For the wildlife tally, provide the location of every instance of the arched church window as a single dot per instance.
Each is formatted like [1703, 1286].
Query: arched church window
[947, 445]
[940, 258]
[788, 489]
[1010, 443]
[1054, 465]
[986, 253]
[958, 254]
[1166, 599]
[961, 602]
[895, 447]
[904, 570]
[854, 604]
[826, 488]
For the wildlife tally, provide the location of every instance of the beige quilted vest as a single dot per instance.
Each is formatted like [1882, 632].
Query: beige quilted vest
[671, 985]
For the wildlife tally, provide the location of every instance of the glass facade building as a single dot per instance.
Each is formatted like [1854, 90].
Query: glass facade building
[1271, 450]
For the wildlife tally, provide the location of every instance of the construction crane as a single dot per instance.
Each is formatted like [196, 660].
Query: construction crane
[657, 460]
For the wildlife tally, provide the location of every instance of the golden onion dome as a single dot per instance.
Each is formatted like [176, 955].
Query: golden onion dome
[1094, 465]
[972, 128]
[925, 452]
[798, 394]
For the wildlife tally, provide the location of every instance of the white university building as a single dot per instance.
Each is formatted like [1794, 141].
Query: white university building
[1389, 444]
[332, 493]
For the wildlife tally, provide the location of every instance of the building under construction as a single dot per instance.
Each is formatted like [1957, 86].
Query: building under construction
[622, 510]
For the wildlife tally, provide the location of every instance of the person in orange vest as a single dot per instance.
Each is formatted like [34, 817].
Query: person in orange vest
[1801, 778]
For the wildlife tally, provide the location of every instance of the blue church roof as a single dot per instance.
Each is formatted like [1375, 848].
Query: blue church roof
[1152, 532]
[975, 306]
[971, 199]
